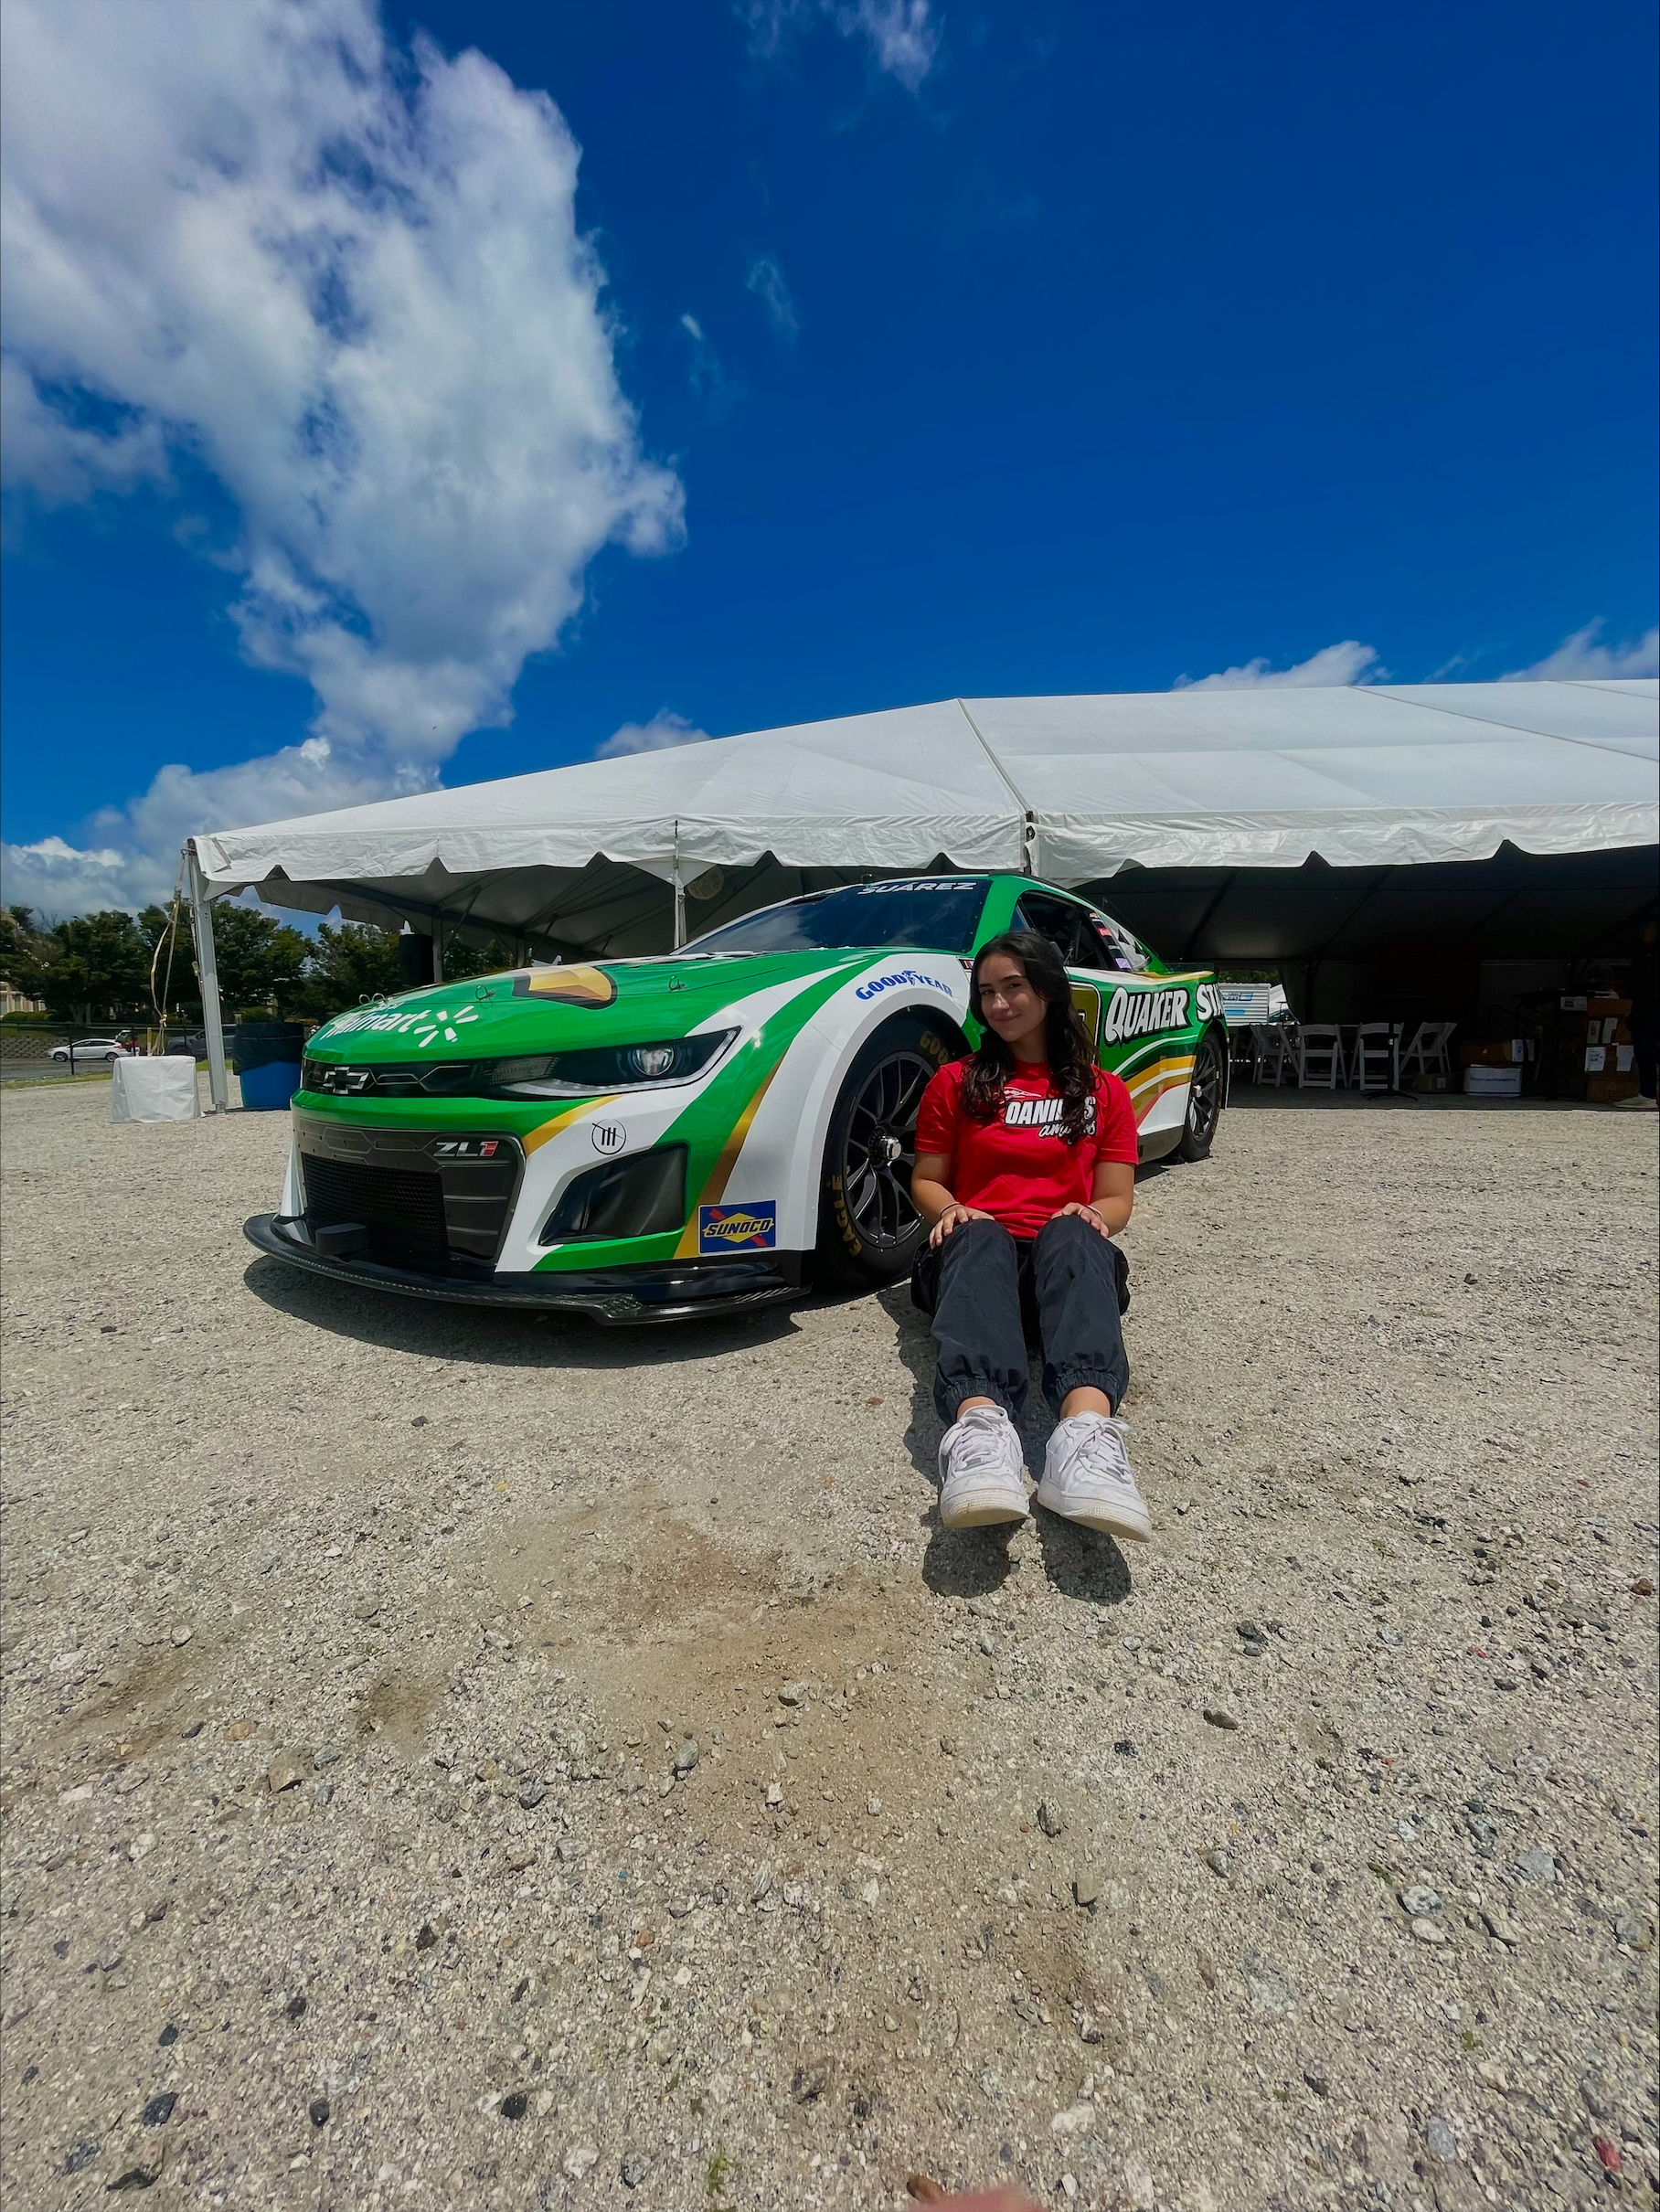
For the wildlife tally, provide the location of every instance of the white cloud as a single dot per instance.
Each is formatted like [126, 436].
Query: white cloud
[349, 283]
[62, 461]
[132, 857]
[664, 730]
[1348, 662]
[57, 878]
[1584, 654]
[766, 281]
[901, 35]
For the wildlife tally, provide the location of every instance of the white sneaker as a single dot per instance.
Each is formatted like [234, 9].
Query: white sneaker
[1087, 1477]
[980, 1471]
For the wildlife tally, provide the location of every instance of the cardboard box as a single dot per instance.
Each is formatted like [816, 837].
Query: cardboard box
[1500, 1052]
[1609, 1087]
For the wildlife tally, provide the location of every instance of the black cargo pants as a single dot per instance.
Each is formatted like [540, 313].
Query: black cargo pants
[990, 1294]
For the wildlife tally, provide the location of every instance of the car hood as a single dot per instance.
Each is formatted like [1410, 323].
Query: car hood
[613, 1002]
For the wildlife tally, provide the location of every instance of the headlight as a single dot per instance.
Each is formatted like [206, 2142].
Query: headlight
[539, 1075]
[607, 1068]
[650, 1062]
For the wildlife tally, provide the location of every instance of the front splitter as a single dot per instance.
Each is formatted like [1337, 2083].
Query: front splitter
[621, 1297]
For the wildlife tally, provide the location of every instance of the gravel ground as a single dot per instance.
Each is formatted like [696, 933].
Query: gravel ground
[472, 1763]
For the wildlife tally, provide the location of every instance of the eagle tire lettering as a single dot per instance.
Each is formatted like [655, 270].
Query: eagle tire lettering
[844, 1220]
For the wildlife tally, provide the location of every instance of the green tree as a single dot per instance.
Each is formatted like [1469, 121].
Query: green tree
[91, 967]
[24, 950]
[347, 965]
[462, 960]
[176, 968]
[260, 961]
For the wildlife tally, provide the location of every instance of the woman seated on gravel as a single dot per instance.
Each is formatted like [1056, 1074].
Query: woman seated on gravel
[1026, 1166]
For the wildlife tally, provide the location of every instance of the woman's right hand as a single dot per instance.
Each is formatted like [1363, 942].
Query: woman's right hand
[952, 1217]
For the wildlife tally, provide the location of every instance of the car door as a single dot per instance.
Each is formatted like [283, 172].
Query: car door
[1143, 1023]
[1070, 928]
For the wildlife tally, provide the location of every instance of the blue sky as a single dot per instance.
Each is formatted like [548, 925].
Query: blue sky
[973, 349]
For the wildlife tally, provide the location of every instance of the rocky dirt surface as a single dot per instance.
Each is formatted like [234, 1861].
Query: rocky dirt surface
[472, 1763]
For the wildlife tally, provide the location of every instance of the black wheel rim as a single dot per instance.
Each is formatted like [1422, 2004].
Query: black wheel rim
[880, 1149]
[1205, 1095]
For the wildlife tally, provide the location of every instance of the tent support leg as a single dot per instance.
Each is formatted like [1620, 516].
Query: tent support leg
[207, 968]
[679, 909]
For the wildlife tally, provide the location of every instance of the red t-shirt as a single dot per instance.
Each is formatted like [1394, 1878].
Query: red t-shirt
[1013, 1168]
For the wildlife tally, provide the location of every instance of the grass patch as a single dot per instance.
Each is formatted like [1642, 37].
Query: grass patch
[717, 2175]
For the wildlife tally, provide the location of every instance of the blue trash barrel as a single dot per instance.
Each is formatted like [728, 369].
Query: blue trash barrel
[266, 1057]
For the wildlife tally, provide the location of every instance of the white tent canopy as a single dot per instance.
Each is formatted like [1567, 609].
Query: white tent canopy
[1070, 789]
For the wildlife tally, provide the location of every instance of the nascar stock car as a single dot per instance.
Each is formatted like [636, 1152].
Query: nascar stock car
[650, 1139]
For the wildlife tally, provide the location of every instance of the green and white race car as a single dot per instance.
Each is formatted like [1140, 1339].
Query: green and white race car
[652, 1139]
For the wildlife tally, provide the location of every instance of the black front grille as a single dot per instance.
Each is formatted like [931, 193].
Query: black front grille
[429, 1202]
[402, 1208]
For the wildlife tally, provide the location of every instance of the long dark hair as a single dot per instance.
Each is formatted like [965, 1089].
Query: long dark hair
[1071, 1061]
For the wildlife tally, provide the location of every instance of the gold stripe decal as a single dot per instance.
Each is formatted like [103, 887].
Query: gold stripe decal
[1162, 1072]
[1153, 1082]
[559, 1122]
[721, 1174]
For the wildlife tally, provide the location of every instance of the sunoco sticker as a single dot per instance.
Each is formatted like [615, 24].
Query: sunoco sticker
[737, 1228]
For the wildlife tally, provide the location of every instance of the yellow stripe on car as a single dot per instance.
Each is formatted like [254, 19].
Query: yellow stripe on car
[562, 1121]
[721, 1174]
[1151, 1083]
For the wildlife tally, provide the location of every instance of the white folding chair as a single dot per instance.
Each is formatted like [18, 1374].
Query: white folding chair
[1320, 1058]
[1268, 1052]
[1427, 1053]
[1377, 1062]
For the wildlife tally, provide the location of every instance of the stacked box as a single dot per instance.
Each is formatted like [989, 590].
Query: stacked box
[1493, 1052]
[1589, 1048]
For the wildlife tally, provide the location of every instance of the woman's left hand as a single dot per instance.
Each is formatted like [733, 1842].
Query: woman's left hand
[1085, 1213]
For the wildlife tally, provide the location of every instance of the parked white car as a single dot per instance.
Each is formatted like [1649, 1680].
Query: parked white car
[105, 1049]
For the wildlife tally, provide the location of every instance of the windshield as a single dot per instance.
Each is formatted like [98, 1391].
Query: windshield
[924, 914]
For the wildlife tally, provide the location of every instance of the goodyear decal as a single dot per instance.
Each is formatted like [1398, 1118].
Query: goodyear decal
[1136, 1013]
[879, 984]
[737, 1228]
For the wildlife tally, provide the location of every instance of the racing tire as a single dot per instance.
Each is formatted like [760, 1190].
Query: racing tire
[870, 1232]
[1204, 1101]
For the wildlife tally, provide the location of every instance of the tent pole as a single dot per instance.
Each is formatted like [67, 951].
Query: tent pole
[208, 972]
[679, 895]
